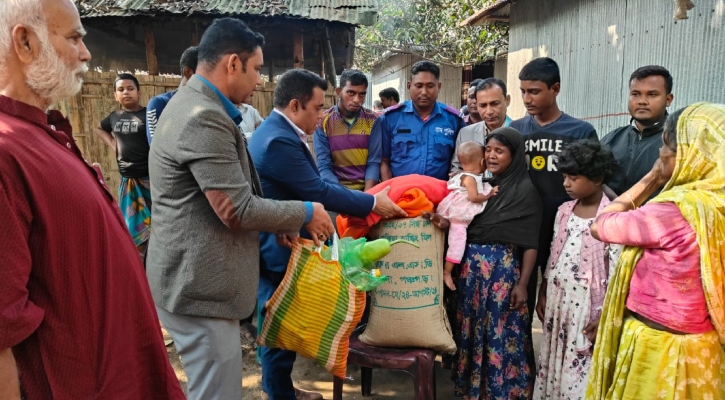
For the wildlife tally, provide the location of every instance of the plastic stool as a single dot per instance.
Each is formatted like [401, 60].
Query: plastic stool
[420, 363]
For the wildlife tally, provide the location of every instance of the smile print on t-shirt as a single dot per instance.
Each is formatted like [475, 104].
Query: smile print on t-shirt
[543, 145]
[542, 152]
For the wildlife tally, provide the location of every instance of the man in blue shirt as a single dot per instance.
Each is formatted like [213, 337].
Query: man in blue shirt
[417, 136]
[189, 59]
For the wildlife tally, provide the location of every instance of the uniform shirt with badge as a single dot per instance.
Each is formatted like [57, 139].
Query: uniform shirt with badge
[132, 145]
[414, 145]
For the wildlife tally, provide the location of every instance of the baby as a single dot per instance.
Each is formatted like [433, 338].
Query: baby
[467, 199]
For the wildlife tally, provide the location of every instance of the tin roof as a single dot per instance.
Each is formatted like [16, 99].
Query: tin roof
[358, 12]
[499, 10]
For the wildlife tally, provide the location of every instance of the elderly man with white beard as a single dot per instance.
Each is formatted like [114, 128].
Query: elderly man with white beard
[76, 316]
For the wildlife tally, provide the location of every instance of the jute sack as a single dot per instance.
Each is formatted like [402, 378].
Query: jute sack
[407, 310]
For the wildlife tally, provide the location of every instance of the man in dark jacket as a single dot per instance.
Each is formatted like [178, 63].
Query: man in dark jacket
[636, 146]
[298, 102]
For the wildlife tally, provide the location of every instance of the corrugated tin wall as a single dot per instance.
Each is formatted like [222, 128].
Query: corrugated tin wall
[395, 71]
[392, 72]
[500, 68]
[598, 43]
[451, 85]
[372, 95]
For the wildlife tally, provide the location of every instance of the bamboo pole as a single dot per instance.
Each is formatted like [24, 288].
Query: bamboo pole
[329, 60]
[299, 53]
[350, 48]
[151, 60]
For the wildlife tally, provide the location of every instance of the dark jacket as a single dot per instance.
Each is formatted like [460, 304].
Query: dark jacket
[288, 171]
[635, 151]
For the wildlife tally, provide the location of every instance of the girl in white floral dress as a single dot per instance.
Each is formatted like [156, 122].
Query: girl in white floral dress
[572, 292]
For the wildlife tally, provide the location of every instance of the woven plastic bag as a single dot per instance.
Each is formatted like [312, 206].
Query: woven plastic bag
[314, 310]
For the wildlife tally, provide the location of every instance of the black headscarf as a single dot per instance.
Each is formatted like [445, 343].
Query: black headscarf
[514, 214]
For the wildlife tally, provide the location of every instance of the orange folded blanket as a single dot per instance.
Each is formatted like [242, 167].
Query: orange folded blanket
[415, 194]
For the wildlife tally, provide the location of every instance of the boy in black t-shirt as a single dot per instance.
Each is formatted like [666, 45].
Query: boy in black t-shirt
[547, 131]
[124, 131]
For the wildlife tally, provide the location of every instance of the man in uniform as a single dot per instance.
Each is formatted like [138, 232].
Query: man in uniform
[417, 136]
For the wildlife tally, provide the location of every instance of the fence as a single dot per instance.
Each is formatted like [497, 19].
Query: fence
[95, 101]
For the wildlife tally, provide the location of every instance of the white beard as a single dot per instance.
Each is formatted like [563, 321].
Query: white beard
[50, 77]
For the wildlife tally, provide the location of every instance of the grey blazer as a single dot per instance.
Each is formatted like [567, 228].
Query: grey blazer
[203, 255]
[472, 133]
[476, 133]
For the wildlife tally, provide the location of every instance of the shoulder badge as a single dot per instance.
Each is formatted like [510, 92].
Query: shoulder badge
[453, 111]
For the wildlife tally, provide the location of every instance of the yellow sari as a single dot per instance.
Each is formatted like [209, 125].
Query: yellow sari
[633, 361]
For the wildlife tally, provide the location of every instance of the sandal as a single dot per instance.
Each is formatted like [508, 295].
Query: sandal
[249, 334]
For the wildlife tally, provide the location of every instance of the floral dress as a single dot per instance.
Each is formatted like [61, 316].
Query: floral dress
[565, 356]
[495, 355]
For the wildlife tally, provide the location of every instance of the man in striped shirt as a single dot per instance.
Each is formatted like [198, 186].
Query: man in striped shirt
[343, 135]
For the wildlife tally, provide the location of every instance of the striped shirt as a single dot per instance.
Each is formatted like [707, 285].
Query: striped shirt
[341, 147]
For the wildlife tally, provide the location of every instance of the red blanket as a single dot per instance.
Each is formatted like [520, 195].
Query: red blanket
[413, 193]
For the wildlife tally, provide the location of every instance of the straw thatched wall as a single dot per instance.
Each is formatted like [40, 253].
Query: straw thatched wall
[95, 102]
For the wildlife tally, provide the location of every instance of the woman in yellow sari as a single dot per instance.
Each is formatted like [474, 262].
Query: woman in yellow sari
[662, 329]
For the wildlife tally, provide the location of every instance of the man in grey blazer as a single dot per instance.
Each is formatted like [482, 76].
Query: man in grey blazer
[203, 258]
[492, 101]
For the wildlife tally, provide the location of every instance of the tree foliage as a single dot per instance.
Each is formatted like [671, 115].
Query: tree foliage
[431, 29]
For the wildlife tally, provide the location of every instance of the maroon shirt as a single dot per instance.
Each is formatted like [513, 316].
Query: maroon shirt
[60, 123]
[75, 306]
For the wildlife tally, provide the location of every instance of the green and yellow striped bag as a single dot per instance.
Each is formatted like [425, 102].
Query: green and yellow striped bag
[314, 310]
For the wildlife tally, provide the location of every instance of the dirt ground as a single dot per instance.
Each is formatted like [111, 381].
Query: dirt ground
[387, 385]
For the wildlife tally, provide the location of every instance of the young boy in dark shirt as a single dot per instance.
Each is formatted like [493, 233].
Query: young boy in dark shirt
[124, 131]
[547, 131]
